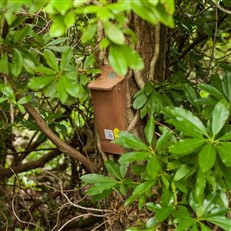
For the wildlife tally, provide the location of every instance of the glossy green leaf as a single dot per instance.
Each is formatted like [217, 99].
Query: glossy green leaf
[163, 16]
[211, 90]
[133, 59]
[62, 6]
[140, 101]
[134, 156]
[58, 27]
[4, 65]
[94, 178]
[221, 221]
[17, 63]
[204, 227]
[128, 140]
[184, 115]
[66, 57]
[141, 201]
[162, 141]
[226, 85]
[39, 83]
[183, 171]
[71, 87]
[113, 169]
[200, 184]
[147, 13]
[50, 59]
[89, 33]
[69, 19]
[185, 127]
[183, 218]
[25, 99]
[21, 34]
[186, 146]
[219, 116]
[207, 157]
[149, 130]
[153, 167]
[99, 187]
[61, 91]
[163, 213]
[139, 190]
[224, 150]
[226, 136]
[40, 69]
[118, 60]
[113, 33]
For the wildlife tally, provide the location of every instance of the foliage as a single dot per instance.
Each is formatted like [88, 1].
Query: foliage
[49, 53]
[183, 172]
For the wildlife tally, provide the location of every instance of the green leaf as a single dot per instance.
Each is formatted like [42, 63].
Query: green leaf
[140, 101]
[144, 12]
[183, 218]
[94, 178]
[162, 141]
[219, 116]
[186, 146]
[141, 201]
[39, 83]
[113, 169]
[99, 187]
[17, 63]
[139, 190]
[226, 85]
[207, 157]
[221, 221]
[224, 152]
[163, 213]
[89, 61]
[89, 33]
[51, 59]
[200, 184]
[62, 6]
[163, 15]
[72, 87]
[21, 34]
[133, 59]
[118, 60]
[153, 167]
[113, 33]
[204, 227]
[211, 90]
[183, 171]
[4, 65]
[61, 90]
[226, 136]
[134, 156]
[128, 140]
[44, 70]
[66, 59]
[185, 116]
[25, 99]
[149, 130]
[69, 19]
[58, 27]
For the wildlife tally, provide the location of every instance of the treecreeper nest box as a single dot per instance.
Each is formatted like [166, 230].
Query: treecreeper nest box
[108, 93]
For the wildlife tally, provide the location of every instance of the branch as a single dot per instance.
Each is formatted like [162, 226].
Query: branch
[8, 172]
[63, 147]
[221, 8]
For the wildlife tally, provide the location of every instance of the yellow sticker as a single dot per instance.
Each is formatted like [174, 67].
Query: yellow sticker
[116, 132]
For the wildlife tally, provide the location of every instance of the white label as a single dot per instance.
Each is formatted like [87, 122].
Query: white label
[109, 134]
